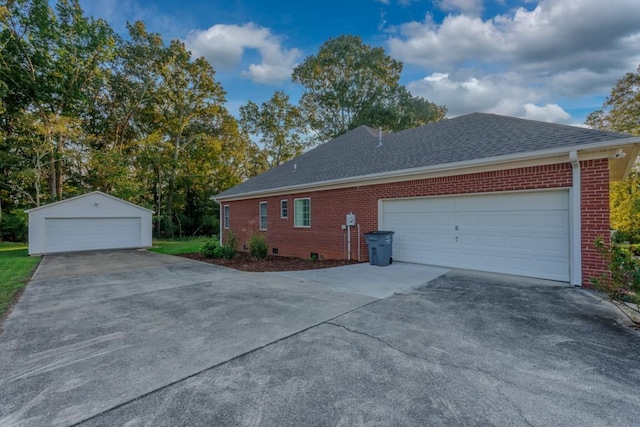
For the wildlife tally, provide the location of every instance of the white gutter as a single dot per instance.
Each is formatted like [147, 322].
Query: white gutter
[575, 212]
[437, 168]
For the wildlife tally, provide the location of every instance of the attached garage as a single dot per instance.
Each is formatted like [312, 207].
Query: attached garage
[479, 191]
[93, 221]
[521, 233]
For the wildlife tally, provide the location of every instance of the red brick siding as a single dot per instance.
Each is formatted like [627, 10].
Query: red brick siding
[595, 216]
[329, 207]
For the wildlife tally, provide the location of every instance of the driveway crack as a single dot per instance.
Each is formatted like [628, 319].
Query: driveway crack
[441, 363]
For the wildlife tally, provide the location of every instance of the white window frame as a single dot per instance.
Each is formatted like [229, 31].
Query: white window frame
[295, 224]
[226, 216]
[266, 216]
[287, 208]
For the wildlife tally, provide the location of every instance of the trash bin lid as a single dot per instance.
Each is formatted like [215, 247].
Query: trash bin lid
[379, 233]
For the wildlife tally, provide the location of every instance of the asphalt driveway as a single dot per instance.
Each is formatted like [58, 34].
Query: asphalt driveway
[139, 338]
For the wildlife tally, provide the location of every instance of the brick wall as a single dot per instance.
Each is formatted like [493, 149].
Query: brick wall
[329, 207]
[595, 216]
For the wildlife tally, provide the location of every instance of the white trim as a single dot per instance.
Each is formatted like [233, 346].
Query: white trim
[575, 223]
[226, 224]
[85, 195]
[294, 212]
[284, 200]
[260, 216]
[220, 222]
[511, 161]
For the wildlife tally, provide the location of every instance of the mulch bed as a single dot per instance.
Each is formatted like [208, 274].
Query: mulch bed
[242, 261]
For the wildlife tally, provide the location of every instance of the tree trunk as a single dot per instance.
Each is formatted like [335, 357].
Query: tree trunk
[53, 192]
[58, 166]
[172, 180]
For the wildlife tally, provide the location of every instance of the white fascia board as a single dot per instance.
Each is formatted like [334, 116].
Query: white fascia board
[85, 195]
[448, 167]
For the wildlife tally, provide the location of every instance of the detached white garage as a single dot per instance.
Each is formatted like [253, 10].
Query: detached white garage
[92, 221]
[525, 234]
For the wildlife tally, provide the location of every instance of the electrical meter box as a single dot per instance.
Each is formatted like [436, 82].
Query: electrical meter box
[351, 220]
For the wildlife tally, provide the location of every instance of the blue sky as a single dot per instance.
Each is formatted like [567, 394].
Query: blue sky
[550, 60]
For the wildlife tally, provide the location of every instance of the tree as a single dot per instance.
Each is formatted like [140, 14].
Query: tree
[345, 78]
[49, 59]
[621, 113]
[401, 111]
[348, 84]
[621, 109]
[82, 109]
[281, 127]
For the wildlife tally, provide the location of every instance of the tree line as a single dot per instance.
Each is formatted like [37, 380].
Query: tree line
[82, 109]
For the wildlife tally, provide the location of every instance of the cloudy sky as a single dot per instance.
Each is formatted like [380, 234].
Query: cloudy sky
[550, 60]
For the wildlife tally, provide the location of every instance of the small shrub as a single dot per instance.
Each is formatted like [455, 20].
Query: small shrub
[623, 282]
[258, 247]
[211, 249]
[230, 248]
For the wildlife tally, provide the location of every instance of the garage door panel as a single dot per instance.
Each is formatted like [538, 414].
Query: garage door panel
[515, 233]
[78, 234]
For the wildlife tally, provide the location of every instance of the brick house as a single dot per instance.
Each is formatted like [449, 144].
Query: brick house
[481, 192]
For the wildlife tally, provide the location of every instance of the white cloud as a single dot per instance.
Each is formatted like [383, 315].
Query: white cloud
[546, 113]
[473, 7]
[556, 35]
[224, 47]
[521, 62]
[504, 94]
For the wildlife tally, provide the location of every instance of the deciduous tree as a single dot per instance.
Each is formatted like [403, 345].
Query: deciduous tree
[280, 126]
[621, 113]
[349, 83]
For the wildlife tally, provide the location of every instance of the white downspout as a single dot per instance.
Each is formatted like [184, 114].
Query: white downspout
[348, 242]
[221, 215]
[576, 222]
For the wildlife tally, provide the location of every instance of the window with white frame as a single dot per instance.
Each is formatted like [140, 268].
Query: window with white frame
[284, 208]
[302, 212]
[226, 216]
[263, 215]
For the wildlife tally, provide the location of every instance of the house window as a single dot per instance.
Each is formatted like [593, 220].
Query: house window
[284, 209]
[226, 216]
[263, 215]
[302, 212]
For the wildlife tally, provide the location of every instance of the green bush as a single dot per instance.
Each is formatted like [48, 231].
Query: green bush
[211, 249]
[13, 227]
[623, 282]
[258, 247]
[619, 236]
[230, 248]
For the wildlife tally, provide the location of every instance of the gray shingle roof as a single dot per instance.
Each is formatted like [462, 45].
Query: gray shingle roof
[470, 137]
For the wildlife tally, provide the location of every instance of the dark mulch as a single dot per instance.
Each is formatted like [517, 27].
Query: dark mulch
[242, 261]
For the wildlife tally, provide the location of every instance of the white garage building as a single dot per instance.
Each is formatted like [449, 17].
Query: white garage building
[92, 221]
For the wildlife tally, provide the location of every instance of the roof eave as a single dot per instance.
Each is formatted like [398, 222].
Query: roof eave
[497, 160]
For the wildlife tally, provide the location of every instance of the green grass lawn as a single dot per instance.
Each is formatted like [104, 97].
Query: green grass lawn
[183, 246]
[15, 268]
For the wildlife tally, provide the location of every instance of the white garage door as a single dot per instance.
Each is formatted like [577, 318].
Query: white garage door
[82, 234]
[525, 234]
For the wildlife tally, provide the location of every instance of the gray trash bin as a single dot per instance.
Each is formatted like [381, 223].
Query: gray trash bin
[380, 244]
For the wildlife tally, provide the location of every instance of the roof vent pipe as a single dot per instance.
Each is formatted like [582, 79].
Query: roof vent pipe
[379, 137]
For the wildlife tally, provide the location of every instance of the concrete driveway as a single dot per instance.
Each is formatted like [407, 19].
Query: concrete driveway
[139, 338]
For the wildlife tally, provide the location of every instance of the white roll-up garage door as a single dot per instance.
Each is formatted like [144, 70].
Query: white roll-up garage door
[80, 234]
[524, 234]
